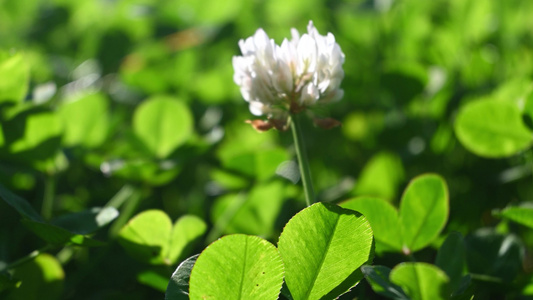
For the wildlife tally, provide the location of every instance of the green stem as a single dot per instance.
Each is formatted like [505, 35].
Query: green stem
[303, 164]
[127, 210]
[26, 258]
[48, 198]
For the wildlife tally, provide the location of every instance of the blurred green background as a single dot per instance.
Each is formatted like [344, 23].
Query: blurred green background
[134, 100]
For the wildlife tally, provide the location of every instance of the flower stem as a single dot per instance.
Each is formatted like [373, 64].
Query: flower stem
[26, 258]
[48, 198]
[303, 163]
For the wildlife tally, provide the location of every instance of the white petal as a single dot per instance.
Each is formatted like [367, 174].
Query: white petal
[309, 95]
[306, 55]
[256, 108]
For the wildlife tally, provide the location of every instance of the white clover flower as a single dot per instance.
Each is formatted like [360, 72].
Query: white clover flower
[281, 80]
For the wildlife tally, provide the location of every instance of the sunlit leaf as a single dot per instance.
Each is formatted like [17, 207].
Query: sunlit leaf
[146, 236]
[15, 74]
[522, 214]
[35, 134]
[322, 248]
[42, 278]
[383, 218]
[492, 128]
[381, 176]
[163, 123]
[260, 164]
[1, 136]
[85, 120]
[421, 281]
[253, 213]
[187, 230]
[150, 236]
[153, 279]
[237, 267]
[210, 12]
[423, 211]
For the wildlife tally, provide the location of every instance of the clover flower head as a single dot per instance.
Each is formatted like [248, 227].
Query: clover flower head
[279, 80]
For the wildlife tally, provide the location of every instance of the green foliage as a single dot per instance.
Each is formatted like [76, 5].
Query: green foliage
[58, 236]
[253, 213]
[178, 286]
[237, 267]
[42, 278]
[451, 258]
[522, 214]
[378, 278]
[423, 211]
[494, 256]
[381, 176]
[322, 248]
[150, 236]
[85, 120]
[421, 281]
[88, 221]
[15, 71]
[162, 123]
[383, 217]
[110, 110]
[492, 128]
[20, 205]
[422, 215]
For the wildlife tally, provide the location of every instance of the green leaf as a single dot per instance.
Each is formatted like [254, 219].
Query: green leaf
[85, 120]
[405, 82]
[42, 279]
[322, 248]
[421, 281]
[451, 258]
[237, 267]
[381, 176]
[228, 180]
[253, 213]
[87, 221]
[527, 290]
[153, 279]
[59, 236]
[8, 282]
[423, 211]
[218, 13]
[2, 139]
[261, 164]
[378, 278]
[146, 236]
[163, 123]
[150, 237]
[492, 128]
[522, 214]
[383, 217]
[187, 230]
[34, 134]
[178, 286]
[15, 74]
[22, 206]
[497, 257]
